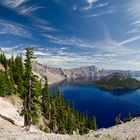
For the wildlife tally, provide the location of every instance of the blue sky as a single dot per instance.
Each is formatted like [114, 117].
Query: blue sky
[73, 33]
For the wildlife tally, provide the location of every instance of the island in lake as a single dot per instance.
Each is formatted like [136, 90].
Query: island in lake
[114, 81]
[117, 81]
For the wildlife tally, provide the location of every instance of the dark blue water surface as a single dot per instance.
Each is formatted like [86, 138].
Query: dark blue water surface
[103, 104]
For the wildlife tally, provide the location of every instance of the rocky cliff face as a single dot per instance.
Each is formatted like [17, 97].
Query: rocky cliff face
[53, 74]
[56, 75]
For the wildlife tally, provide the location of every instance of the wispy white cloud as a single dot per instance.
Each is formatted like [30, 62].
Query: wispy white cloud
[20, 6]
[40, 53]
[29, 10]
[13, 50]
[74, 41]
[103, 9]
[133, 14]
[135, 22]
[103, 60]
[108, 52]
[12, 28]
[133, 31]
[13, 3]
[101, 13]
[130, 40]
[133, 9]
[43, 25]
[101, 5]
[47, 28]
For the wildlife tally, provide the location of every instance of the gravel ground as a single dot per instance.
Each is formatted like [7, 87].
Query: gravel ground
[127, 131]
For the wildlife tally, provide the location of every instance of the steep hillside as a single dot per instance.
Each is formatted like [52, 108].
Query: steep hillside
[53, 74]
[56, 75]
[11, 121]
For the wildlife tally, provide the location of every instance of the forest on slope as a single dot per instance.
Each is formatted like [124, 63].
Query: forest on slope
[39, 103]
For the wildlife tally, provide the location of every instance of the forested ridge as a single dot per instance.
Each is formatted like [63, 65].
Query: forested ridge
[39, 102]
[118, 81]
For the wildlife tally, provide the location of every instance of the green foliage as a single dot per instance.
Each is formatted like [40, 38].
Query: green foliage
[53, 118]
[6, 87]
[46, 100]
[46, 130]
[118, 81]
[18, 73]
[128, 118]
[83, 130]
[36, 92]
[3, 60]
[118, 119]
[61, 116]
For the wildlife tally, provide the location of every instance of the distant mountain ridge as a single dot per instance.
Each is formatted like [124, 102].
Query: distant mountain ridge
[56, 75]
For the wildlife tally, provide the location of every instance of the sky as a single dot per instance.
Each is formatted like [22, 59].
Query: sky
[73, 33]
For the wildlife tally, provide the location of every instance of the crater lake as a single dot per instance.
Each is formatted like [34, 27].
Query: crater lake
[104, 105]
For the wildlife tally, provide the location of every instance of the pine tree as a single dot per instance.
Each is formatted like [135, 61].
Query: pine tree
[118, 119]
[53, 118]
[36, 92]
[129, 117]
[18, 74]
[4, 62]
[61, 113]
[46, 100]
[61, 120]
[28, 87]
[94, 125]
[71, 122]
[5, 85]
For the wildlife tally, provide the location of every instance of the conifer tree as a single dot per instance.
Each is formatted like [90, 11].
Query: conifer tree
[94, 127]
[46, 100]
[129, 117]
[18, 74]
[36, 92]
[28, 87]
[61, 113]
[53, 118]
[118, 119]
[5, 85]
[71, 122]
[4, 62]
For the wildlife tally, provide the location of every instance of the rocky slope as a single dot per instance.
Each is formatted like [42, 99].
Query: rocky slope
[2, 67]
[56, 75]
[127, 131]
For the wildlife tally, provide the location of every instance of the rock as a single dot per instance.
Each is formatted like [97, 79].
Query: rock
[126, 131]
[56, 75]
[2, 67]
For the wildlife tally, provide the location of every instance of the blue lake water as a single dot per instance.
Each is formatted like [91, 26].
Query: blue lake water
[103, 104]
